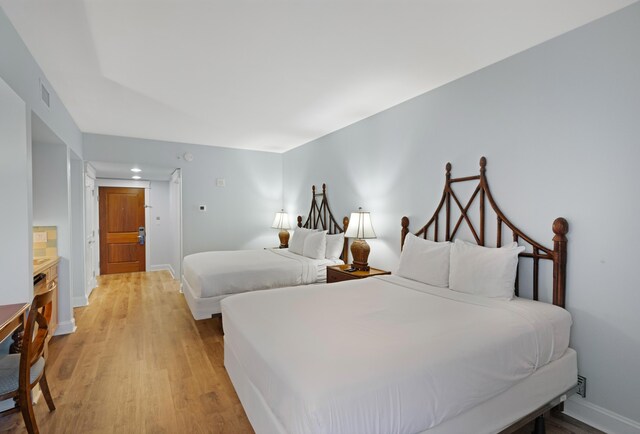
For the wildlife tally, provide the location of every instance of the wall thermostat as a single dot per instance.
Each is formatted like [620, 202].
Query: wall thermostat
[202, 208]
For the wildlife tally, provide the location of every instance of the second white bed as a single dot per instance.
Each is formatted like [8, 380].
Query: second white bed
[208, 277]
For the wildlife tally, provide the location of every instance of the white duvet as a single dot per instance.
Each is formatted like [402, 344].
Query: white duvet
[230, 272]
[385, 355]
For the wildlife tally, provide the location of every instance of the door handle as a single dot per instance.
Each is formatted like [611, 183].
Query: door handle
[141, 235]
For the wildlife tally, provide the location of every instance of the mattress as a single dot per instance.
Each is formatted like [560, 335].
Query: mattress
[548, 383]
[212, 274]
[385, 354]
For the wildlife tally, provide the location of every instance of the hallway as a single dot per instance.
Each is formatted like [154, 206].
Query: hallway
[138, 363]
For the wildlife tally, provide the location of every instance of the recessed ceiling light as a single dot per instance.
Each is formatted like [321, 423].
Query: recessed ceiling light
[135, 177]
[136, 169]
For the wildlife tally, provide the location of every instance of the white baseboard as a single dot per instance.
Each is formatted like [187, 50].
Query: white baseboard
[90, 291]
[65, 328]
[6, 404]
[599, 417]
[163, 267]
[80, 301]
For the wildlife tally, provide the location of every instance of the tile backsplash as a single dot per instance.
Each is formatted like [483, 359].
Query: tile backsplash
[45, 241]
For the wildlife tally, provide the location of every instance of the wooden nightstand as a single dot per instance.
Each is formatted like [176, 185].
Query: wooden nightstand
[336, 273]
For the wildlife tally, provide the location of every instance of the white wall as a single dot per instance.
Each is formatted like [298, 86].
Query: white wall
[15, 194]
[50, 199]
[21, 72]
[52, 207]
[76, 203]
[159, 230]
[238, 216]
[559, 125]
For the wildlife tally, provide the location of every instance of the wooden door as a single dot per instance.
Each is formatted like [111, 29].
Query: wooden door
[121, 216]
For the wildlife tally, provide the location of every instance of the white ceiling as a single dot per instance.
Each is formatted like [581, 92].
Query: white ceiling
[270, 74]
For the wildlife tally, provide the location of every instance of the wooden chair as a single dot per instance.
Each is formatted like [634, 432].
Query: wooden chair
[19, 373]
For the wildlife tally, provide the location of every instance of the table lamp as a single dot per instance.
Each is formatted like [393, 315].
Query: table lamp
[282, 222]
[360, 228]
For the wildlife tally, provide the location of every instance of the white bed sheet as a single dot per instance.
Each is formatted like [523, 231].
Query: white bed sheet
[385, 354]
[212, 274]
[491, 416]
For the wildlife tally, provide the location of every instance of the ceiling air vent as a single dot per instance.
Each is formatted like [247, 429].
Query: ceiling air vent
[44, 93]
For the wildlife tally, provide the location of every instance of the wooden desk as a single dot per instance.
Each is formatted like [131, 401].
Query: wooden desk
[12, 318]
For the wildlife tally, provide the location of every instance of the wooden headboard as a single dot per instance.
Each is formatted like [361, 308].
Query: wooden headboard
[557, 254]
[320, 216]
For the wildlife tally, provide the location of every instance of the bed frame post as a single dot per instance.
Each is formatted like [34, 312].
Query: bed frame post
[447, 234]
[405, 231]
[345, 247]
[560, 229]
[483, 168]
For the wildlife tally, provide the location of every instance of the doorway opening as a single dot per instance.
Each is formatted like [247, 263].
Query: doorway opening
[138, 222]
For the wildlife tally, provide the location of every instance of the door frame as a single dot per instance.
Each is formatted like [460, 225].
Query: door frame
[176, 178]
[92, 258]
[102, 182]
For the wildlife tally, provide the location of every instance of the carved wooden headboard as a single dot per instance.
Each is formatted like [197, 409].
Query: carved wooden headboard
[320, 216]
[557, 254]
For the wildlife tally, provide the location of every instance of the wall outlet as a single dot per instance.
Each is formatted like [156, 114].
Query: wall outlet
[582, 386]
[39, 237]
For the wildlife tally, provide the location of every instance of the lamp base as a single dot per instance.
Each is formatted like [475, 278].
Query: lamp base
[360, 253]
[284, 238]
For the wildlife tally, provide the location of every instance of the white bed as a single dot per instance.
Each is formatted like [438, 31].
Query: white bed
[209, 277]
[389, 354]
[444, 349]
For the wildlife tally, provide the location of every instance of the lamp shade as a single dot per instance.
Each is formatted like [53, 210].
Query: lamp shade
[360, 226]
[281, 221]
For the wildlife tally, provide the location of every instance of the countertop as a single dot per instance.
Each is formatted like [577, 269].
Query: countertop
[40, 265]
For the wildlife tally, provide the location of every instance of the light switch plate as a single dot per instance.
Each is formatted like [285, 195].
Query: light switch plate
[221, 182]
[39, 237]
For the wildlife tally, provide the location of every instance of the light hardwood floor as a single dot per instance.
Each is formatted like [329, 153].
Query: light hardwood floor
[139, 363]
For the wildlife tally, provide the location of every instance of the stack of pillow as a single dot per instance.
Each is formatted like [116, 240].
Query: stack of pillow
[461, 266]
[316, 244]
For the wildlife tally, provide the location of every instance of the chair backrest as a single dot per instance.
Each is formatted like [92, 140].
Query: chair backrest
[36, 332]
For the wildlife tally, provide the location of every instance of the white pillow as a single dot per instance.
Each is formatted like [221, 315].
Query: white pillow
[425, 261]
[296, 244]
[490, 272]
[315, 245]
[335, 243]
